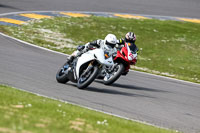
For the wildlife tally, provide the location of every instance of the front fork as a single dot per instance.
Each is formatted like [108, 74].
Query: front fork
[90, 66]
[112, 68]
[108, 71]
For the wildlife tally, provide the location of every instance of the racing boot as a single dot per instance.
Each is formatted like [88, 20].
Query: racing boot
[70, 60]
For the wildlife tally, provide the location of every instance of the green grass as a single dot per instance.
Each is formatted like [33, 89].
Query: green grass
[170, 48]
[22, 112]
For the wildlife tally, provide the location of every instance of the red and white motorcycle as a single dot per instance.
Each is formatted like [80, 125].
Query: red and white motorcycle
[125, 57]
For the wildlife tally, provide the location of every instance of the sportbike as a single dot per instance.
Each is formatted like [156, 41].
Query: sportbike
[85, 67]
[124, 58]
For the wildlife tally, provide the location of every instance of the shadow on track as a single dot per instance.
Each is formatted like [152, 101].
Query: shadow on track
[133, 87]
[108, 91]
[114, 92]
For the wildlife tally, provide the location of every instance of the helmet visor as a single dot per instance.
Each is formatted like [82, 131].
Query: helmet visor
[110, 44]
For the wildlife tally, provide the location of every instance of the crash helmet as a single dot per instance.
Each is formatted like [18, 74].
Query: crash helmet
[110, 40]
[130, 37]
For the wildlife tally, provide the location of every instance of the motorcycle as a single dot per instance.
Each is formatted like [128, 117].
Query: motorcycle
[124, 58]
[84, 69]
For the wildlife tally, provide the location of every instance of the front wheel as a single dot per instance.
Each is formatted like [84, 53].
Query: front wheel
[61, 76]
[112, 77]
[86, 78]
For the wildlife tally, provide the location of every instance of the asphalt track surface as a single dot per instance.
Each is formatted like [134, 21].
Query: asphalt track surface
[161, 101]
[179, 8]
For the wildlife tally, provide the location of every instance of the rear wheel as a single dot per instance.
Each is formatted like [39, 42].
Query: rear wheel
[61, 76]
[86, 78]
[112, 77]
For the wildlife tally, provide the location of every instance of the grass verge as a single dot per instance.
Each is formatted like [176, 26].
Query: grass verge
[22, 112]
[170, 48]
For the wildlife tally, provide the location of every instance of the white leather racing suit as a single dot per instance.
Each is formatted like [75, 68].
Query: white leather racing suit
[98, 44]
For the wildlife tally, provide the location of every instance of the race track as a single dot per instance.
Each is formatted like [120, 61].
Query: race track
[157, 100]
[179, 8]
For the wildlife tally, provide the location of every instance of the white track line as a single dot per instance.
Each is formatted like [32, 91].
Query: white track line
[31, 44]
[160, 76]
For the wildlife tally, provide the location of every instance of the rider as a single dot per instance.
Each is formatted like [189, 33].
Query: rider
[130, 38]
[108, 43]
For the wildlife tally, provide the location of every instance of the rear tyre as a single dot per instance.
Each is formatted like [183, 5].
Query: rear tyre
[61, 77]
[83, 83]
[115, 75]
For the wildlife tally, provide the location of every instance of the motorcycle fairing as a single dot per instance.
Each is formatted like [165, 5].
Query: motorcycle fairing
[96, 54]
[129, 53]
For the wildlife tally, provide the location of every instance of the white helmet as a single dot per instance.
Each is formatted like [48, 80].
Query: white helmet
[111, 40]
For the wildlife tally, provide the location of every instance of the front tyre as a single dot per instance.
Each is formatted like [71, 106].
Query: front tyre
[114, 75]
[86, 79]
[61, 76]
